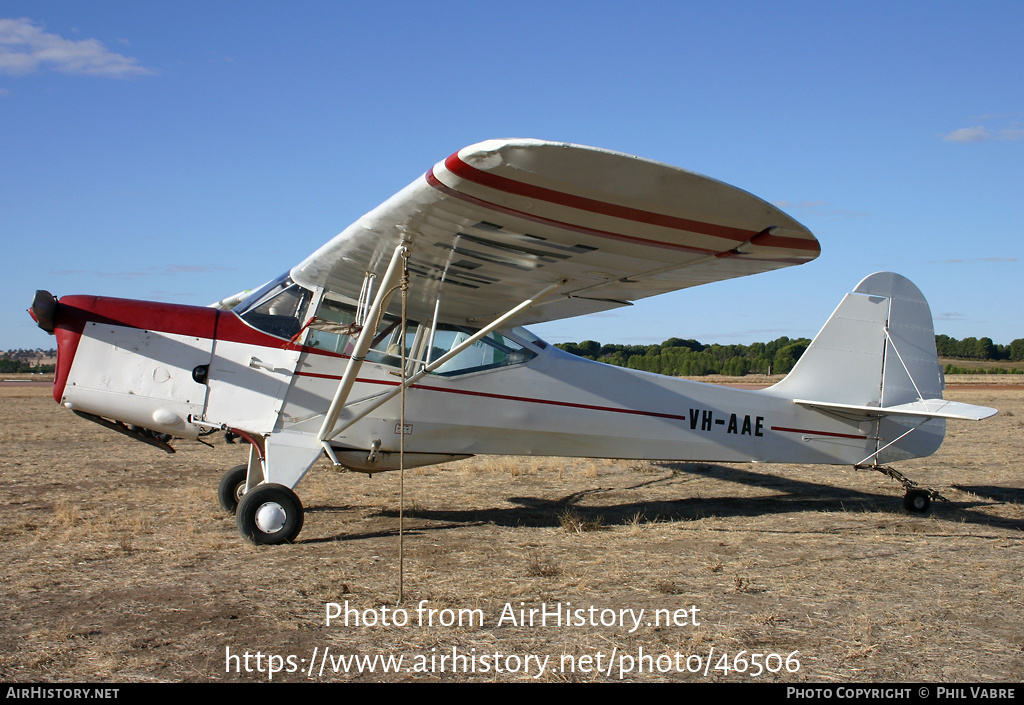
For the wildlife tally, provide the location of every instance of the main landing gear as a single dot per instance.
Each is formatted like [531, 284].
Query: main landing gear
[232, 487]
[266, 514]
[270, 514]
[917, 500]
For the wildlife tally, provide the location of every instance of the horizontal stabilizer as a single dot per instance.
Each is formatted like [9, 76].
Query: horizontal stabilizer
[927, 408]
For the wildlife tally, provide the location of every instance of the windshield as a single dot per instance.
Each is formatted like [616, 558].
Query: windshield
[277, 308]
[275, 284]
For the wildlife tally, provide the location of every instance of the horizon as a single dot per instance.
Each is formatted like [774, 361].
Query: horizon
[611, 342]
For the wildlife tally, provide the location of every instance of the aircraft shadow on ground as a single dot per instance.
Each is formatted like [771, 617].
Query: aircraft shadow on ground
[993, 493]
[788, 496]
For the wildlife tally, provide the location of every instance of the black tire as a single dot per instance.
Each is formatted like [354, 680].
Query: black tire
[269, 514]
[917, 501]
[232, 487]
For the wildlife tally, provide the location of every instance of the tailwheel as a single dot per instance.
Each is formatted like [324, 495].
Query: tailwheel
[917, 501]
[269, 514]
[232, 487]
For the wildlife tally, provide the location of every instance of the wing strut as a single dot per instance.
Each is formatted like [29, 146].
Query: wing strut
[387, 288]
[329, 422]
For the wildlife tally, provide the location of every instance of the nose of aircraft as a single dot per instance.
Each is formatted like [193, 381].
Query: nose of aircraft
[45, 310]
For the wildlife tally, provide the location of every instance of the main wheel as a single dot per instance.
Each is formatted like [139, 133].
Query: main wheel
[917, 501]
[269, 514]
[232, 487]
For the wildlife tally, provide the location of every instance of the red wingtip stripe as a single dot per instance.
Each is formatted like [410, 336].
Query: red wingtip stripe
[457, 166]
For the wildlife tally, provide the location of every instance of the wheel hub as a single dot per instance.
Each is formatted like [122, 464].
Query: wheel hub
[271, 517]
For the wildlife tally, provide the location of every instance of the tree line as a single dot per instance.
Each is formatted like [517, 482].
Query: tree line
[22, 360]
[979, 349]
[690, 358]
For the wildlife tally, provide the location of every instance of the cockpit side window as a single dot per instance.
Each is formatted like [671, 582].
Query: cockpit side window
[333, 330]
[493, 350]
[333, 327]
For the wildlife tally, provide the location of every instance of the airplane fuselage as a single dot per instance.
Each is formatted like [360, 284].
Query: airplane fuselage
[181, 370]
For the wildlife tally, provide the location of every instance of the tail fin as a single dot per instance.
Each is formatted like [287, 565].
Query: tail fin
[875, 357]
[877, 349]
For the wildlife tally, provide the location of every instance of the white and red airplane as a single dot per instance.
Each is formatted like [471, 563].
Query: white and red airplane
[501, 234]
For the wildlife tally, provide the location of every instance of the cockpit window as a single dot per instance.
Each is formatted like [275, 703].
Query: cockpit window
[277, 308]
[333, 330]
[493, 350]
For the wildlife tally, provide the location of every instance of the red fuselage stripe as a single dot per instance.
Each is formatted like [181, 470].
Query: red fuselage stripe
[818, 433]
[506, 397]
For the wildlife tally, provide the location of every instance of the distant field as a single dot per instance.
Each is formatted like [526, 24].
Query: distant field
[982, 364]
[27, 377]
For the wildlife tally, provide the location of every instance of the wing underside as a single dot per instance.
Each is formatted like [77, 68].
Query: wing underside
[498, 221]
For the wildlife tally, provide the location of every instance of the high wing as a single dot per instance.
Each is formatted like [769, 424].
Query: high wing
[498, 221]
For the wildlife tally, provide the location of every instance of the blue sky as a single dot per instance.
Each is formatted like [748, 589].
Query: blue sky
[183, 151]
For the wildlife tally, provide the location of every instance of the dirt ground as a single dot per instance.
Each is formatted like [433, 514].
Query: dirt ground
[119, 566]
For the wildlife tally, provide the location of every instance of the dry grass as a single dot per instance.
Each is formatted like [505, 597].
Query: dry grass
[574, 522]
[119, 565]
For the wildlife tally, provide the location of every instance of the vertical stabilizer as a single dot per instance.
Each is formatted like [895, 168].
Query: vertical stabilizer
[877, 349]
